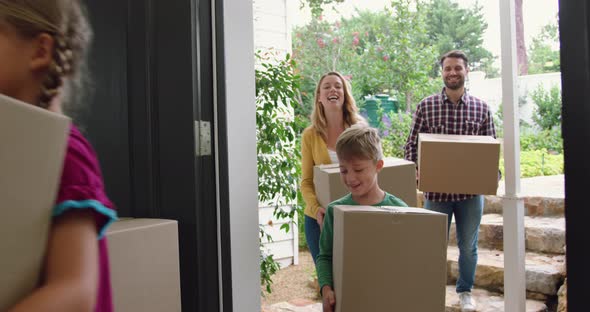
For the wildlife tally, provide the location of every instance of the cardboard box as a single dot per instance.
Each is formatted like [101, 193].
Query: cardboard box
[460, 164]
[389, 259]
[398, 177]
[144, 263]
[32, 147]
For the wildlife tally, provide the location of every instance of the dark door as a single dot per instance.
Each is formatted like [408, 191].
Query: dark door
[152, 67]
[574, 29]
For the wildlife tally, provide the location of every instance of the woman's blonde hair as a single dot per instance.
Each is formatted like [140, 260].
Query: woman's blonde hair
[349, 109]
[66, 22]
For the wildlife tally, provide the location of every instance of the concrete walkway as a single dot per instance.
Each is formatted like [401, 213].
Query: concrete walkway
[545, 186]
[296, 305]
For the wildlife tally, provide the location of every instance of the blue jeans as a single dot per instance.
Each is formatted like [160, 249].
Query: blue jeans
[312, 236]
[467, 219]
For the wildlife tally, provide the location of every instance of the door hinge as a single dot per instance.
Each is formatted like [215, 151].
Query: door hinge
[202, 138]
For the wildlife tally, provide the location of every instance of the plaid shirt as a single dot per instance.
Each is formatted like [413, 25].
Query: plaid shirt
[437, 114]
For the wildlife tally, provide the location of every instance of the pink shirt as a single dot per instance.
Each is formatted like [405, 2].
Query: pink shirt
[82, 187]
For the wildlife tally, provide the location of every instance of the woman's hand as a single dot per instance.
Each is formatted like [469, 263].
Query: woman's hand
[328, 298]
[320, 217]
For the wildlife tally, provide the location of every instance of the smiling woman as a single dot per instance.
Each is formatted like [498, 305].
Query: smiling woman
[334, 110]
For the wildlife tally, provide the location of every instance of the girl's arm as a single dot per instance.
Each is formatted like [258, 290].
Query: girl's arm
[71, 267]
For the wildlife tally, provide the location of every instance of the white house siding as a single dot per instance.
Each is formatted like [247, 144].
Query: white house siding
[271, 26]
[271, 33]
[284, 246]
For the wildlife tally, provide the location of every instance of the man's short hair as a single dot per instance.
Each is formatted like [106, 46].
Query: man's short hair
[454, 54]
[360, 141]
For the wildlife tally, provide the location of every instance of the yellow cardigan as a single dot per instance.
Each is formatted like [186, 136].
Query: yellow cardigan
[313, 152]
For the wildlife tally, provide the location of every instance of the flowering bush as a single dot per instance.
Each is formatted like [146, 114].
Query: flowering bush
[394, 129]
[382, 52]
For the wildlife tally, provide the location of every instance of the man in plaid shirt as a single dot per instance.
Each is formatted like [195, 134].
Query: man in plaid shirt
[454, 111]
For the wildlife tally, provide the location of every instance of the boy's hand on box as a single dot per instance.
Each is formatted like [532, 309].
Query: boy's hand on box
[320, 217]
[329, 299]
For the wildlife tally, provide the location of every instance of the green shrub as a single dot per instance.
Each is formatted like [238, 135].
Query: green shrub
[394, 129]
[268, 267]
[278, 155]
[549, 140]
[301, 224]
[547, 112]
[537, 163]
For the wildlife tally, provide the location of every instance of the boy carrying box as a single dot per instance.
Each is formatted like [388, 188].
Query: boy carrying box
[360, 156]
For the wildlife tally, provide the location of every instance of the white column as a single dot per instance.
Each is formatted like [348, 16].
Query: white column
[240, 97]
[514, 243]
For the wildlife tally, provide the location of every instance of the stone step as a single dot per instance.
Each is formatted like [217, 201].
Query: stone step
[533, 206]
[487, 301]
[544, 273]
[542, 234]
[538, 206]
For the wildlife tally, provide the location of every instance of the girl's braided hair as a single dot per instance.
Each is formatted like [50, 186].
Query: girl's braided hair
[66, 22]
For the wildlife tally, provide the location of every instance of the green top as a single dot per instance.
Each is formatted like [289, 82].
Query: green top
[324, 261]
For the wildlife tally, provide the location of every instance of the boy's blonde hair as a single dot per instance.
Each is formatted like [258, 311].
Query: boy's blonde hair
[360, 141]
[66, 22]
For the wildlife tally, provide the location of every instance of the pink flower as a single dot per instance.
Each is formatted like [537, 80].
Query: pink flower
[321, 43]
[379, 49]
[321, 17]
[337, 24]
[386, 57]
[336, 40]
[347, 77]
[355, 41]
[366, 33]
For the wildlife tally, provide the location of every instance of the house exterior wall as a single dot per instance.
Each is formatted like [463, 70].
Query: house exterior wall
[271, 33]
[271, 26]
